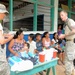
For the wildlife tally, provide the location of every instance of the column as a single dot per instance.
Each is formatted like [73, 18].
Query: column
[11, 14]
[35, 16]
[54, 15]
[70, 6]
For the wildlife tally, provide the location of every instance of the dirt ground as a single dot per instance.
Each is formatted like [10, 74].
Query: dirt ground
[60, 70]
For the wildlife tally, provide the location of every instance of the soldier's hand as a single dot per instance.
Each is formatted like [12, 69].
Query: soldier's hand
[61, 36]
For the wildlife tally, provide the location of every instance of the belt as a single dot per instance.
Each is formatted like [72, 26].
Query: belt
[69, 39]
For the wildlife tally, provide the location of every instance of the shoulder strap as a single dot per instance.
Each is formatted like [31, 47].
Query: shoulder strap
[69, 26]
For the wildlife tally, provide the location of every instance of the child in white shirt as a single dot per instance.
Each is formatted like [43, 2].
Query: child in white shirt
[32, 44]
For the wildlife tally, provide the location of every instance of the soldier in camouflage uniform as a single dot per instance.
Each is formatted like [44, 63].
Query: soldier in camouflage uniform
[4, 68]
[70, 45]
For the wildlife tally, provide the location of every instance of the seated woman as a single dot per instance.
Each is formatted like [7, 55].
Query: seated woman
[58, 47]
[17, 43]
[46, 42]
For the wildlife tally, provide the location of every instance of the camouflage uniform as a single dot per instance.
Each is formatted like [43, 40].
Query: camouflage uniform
[4, 68]
[70, 47]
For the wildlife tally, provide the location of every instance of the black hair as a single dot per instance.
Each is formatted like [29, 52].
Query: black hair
[17, 33]
[54, 35]
[37, 34]
[61, 26]
[59, 40]
[44, 34]
[31, 36]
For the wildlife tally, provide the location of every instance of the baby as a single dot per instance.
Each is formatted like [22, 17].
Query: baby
[25, 54]
[24, 51]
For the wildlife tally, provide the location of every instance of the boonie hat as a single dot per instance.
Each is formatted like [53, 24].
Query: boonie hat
[3, 9]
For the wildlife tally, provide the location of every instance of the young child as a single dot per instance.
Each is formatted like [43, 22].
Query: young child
[32, 44]
[26, 55]
[38, 42]
[25, 50]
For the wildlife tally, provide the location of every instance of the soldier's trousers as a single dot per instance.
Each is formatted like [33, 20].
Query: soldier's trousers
[69, 57]
[4, 68]
[69, 67]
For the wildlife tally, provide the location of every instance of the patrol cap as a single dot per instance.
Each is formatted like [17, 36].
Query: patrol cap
[3, 9]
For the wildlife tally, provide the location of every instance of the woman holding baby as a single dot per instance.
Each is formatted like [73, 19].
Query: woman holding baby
[17, 43]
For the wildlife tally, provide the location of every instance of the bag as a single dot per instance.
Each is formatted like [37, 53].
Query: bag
[17, 64]
[22, 66]
[30, 56]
